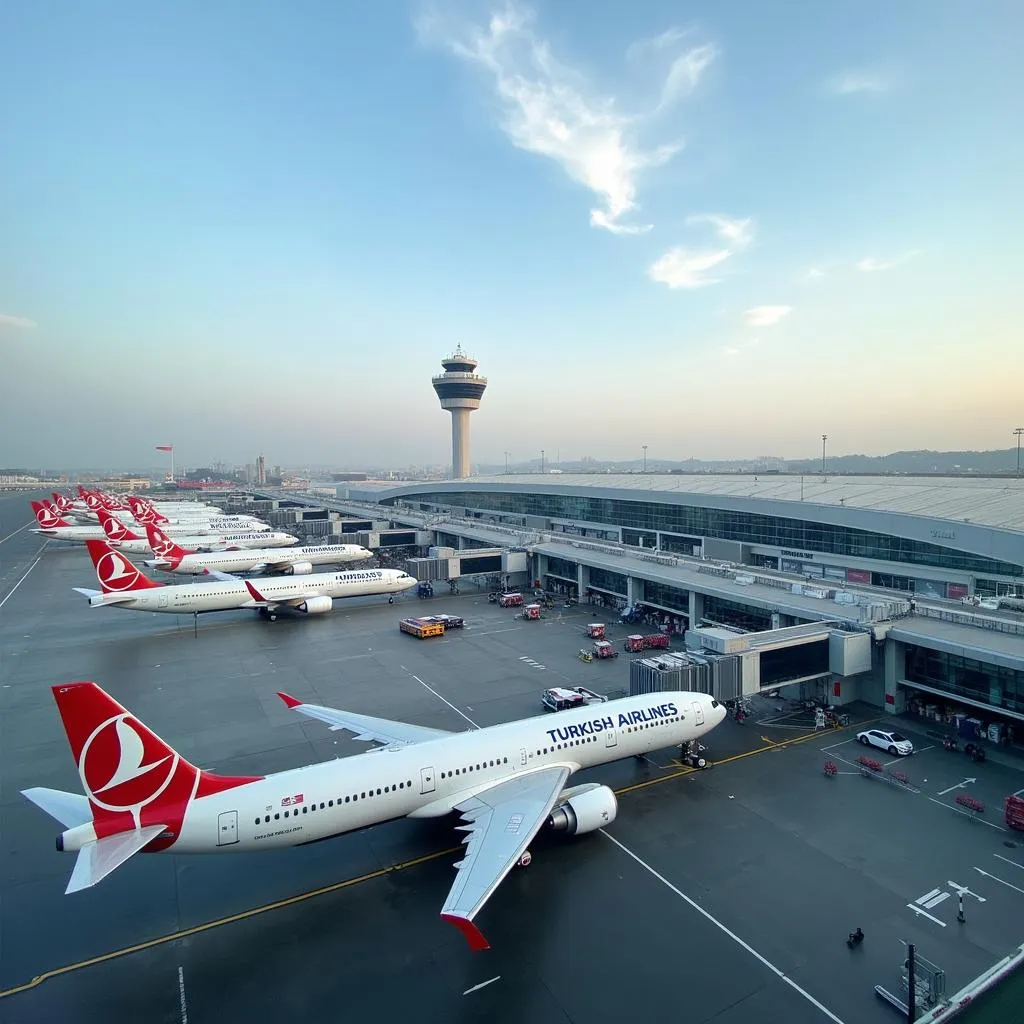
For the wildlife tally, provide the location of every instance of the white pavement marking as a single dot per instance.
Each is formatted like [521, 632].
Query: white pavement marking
[493, 631]
[181, 995]
[448, 702]
[1008, 861]
[1019, 792]
[721, 927]
[959, 785]
[832, 746]
[924, 913]
[17, 531]
[483, 984]
[931, 899]
[998, 879]
[962, 890]
[22, 580]
[966, 814]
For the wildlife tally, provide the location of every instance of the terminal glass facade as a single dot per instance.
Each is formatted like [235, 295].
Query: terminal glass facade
[562, 567]
[965, 677]
[729, 613]
[668, 597]
[604, 579]
[746, 527]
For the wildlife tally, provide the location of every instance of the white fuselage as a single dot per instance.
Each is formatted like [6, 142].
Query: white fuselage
[426, 780]
[197, 524]
[242, 561]
[222, 596]
[274, 539]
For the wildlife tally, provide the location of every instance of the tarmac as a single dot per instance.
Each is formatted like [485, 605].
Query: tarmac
[721, 896]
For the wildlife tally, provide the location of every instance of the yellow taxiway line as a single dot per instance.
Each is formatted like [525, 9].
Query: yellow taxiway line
[289, 901]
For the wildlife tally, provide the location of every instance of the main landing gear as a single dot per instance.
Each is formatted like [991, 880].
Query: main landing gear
[391, 600]
[265, 613]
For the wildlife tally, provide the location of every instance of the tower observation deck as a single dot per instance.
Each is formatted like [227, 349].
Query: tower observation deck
[459, 389]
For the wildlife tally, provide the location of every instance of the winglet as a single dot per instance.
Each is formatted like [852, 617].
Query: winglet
[290, 701]
[472, 934]
[254, 593]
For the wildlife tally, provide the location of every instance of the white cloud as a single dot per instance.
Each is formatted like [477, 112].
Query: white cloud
[740, 346]
[684, 268]
[6, 320]
[870, 264]
[851, 82]
[766, 316]
[549, 108]
[813, 274]
[738, 233]
[659, 42]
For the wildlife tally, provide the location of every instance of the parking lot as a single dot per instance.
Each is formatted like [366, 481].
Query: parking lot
[721, 895]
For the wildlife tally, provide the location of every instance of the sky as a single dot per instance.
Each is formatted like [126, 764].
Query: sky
[715, 229]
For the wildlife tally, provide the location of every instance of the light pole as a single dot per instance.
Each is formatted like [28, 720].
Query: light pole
[824, 438]
[506, 463]
[542, 461]
[645, 457]
[1018, 431]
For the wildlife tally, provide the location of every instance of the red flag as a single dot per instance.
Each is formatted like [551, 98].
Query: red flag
[165, 448]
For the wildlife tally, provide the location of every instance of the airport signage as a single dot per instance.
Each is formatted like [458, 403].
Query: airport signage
[625, 719]
[797, 554]
[943, 534]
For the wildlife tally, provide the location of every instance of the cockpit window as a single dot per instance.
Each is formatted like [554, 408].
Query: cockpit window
[714, 703]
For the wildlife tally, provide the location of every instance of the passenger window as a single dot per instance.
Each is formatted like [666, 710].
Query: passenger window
[277, 817]
[304, 809]
[346, 799]
[330, 803]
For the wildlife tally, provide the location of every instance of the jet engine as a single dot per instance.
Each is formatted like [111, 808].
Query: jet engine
[298, 569]
[583, 809]
[315, 605]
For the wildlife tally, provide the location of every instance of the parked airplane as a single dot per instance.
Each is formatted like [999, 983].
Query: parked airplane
[93, 499]
[189, 523]
[172, 557]
[53, 524]
[506, 781]
[123, 584]
[127, 540]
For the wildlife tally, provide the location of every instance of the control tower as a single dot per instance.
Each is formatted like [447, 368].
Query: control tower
[460, 391]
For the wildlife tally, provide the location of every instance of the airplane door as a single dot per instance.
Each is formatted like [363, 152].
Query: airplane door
[611, 737]
[698, 711]
[426, 780]
[521, 763]
[227, 828]
[162, 601]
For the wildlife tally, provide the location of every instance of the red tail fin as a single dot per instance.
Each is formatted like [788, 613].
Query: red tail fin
[165, 548]
[62, 501]
[145, 513]
[116, 574]
[114, 528]
[131, 777]
[47, 518]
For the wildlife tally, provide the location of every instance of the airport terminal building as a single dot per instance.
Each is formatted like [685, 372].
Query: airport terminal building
[936, 566]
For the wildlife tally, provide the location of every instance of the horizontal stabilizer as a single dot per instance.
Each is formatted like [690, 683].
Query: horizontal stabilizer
[70, 809]
[225, 576]
[97, 860]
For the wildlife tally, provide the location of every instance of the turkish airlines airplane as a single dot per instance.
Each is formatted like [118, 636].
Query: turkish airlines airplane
[194, 523]
[174, 558]
[53, 524]
[124, 585]
[124, 539]
[506, 781]
[94, 499]
[115, 530]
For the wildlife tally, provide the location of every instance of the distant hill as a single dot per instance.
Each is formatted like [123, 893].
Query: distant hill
[1001, 462]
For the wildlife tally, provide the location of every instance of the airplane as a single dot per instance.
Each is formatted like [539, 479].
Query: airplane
[506, 781]
[52, 524]
[94, 499]
[113, 528]
[195, 523]
[172, 557]
[124, 539]
[125, 586]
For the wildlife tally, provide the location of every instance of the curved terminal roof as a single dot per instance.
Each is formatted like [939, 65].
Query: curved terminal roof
[995, 503]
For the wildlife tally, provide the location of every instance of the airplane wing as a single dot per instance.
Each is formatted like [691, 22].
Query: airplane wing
[259, 601]
[502, 822]
[378, 730]
[225, 576]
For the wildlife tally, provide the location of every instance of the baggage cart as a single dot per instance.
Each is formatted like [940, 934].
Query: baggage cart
[531, 611]
[510, 600]
[421, 628]
[604, 649]
[596, 630]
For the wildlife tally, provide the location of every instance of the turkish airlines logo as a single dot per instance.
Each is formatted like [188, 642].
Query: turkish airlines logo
[163, 546]
[114, 528]
[47, 517]
[116, 572]
[118, 773]
[92, 501]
